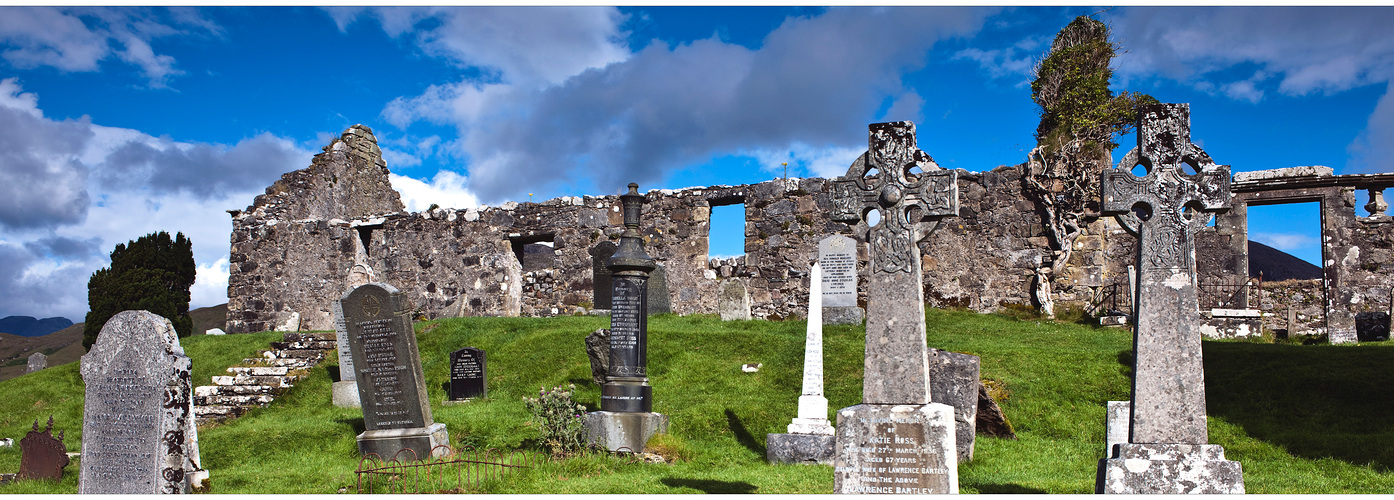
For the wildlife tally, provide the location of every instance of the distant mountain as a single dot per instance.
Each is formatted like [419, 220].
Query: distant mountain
[1278, 265]
[27, 326]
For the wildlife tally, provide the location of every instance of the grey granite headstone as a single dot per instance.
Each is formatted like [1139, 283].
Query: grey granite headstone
[468, 374]
[658, 298]
[837, 255]
[391, 385]
[136, 418]
[953, 380]
[345, 391]
[734, 301]
[897, 440]
[600, 273]
[1166, 450]
[37, 361]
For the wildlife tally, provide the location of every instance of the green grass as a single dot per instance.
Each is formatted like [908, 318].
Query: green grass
[1301, 419]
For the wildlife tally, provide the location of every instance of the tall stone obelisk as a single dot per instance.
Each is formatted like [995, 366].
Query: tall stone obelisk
[811, 438]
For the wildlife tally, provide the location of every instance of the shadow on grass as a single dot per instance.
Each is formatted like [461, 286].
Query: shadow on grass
[1005, 488]
[743, 435]
[356, 423]
[1314, 401]
[709, 485]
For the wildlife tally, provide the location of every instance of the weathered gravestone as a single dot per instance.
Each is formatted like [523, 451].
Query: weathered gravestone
[37, 361]
[837, 256]
[1167, 450]
[626, 420]
[468, 374]
[658, 301]
[600, 273]
[344, 392]
[953, 380]
[598, 350]
[137, 419]
[391, 386]
[42, 455]
[734, 301]
[810, 439]
[897, 440]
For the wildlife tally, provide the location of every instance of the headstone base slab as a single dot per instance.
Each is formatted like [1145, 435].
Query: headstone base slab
[897, 449]
[346, 394]
[818, 426]
[624, 431]
[806, 449]
[843, 315]
[387, 442]
[1138, 468]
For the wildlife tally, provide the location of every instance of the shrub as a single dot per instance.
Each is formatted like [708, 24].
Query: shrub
[561, 419]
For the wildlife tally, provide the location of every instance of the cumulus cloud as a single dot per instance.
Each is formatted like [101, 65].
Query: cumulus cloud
[1284, 242]
[813, 83]
[76, 189]
[80, 38]
[447, 189]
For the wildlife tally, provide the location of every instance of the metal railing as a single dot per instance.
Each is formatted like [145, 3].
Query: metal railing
[1235, 293]
[447, 471]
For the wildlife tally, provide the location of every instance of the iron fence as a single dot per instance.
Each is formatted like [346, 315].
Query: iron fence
[445, 471]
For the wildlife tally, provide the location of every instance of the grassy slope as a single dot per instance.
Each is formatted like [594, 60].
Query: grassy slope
[1299, 418]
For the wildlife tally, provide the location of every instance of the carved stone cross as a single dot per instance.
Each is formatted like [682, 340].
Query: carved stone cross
[912, 193]
[1163, 209]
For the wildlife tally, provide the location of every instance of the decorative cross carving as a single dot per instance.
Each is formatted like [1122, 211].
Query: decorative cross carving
[912, 193]
[1164, 208]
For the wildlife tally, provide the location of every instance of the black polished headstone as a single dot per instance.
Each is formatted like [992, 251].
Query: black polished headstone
[600, 273]
[468, 374]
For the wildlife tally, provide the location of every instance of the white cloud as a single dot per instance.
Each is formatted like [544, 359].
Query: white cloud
[1373, 150]
[814, 80]
[831, 161]
[80, 38]
[1284, 242]
[447, 189]
[78, 189]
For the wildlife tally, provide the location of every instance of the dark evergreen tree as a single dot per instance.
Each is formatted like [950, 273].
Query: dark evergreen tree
[153, 273]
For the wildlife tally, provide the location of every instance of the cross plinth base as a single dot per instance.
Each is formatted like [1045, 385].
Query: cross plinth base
[896, 449]
[807, 449]
[624, 431]
[1169, 469]
[422, 441]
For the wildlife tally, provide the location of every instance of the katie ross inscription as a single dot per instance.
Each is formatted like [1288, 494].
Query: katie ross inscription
[893, 461]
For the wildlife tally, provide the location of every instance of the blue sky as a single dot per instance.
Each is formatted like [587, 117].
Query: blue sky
[123, 121]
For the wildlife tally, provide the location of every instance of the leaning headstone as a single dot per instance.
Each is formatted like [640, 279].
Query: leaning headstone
[953, 380]
[626, 419]
[344, 392]
[391, 386]
[991, 421]
[37, 361]
[897, 440]
[136, 419]
[468, 375]
[1167, 450]
[658, 300]
[600, 273]
[42, 456]
[598, 350]
[810, 439]
[837, 255]
[734, 301]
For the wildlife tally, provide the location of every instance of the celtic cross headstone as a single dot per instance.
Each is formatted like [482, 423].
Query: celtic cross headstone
[896, 441]
[1164, 208]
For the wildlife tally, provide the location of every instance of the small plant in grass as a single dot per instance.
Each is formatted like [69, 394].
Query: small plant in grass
[561, 419]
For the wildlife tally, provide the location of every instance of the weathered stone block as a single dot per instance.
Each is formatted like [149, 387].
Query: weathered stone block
[843, 315]
[953, 380]
[800, 448]
[1171, 469]
[624, 431]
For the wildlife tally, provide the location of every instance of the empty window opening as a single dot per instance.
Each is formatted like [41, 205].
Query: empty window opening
[726, 238]
[1288, 238]
[535, 252]
[365, 237]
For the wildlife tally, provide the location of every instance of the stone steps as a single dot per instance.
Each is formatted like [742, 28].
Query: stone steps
[256, 382]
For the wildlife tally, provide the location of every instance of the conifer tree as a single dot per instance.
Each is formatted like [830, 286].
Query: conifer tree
[153, 273]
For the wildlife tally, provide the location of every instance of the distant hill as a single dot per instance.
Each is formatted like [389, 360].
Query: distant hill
[28, 326]
[1277, 265]
[62, 347]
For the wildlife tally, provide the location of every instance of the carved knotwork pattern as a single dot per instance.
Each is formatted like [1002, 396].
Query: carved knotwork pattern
[1164, 146]
[906, 199]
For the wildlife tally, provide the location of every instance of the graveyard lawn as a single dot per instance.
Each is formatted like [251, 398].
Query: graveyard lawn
[1301, 419]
